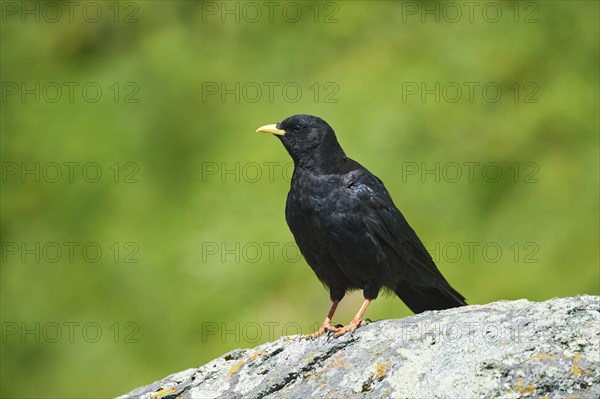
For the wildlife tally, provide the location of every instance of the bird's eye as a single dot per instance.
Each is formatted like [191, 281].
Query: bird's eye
[297, 128]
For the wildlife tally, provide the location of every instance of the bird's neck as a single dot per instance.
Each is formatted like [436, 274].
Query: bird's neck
[324, 158]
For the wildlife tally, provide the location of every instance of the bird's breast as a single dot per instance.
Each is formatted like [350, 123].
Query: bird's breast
[319, 204]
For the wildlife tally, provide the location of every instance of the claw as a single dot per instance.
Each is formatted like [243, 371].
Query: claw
[326, 327]
[354, 324]
[338, 330]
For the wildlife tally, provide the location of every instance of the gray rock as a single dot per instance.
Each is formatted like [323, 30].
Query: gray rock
[507, 349]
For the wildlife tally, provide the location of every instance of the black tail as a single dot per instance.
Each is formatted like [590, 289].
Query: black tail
[420, 299]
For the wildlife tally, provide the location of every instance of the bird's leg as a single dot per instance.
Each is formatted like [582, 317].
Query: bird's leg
[356, 322]
[326, 326]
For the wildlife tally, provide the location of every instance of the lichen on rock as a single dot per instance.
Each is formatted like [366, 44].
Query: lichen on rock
[505, 349]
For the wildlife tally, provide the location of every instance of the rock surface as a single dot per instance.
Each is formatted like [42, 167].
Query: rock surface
[506, 349]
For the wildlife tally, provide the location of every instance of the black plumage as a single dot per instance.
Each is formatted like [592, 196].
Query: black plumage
[348, 228]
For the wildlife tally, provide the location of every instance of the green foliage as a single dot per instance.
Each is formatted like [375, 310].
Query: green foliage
[176, 135]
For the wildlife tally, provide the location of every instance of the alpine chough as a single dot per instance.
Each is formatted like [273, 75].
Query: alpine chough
[348, 228]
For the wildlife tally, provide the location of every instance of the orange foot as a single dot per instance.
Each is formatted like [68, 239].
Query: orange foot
[325, 327]
[354, 324]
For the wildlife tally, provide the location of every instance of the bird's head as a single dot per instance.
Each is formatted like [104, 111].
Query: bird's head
[307, 138]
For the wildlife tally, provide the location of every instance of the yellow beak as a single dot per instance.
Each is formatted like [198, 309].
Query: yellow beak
[270, 129]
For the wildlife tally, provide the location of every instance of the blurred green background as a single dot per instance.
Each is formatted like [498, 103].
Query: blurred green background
[196, 258]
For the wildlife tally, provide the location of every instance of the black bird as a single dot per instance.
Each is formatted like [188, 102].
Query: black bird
[348, 228]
